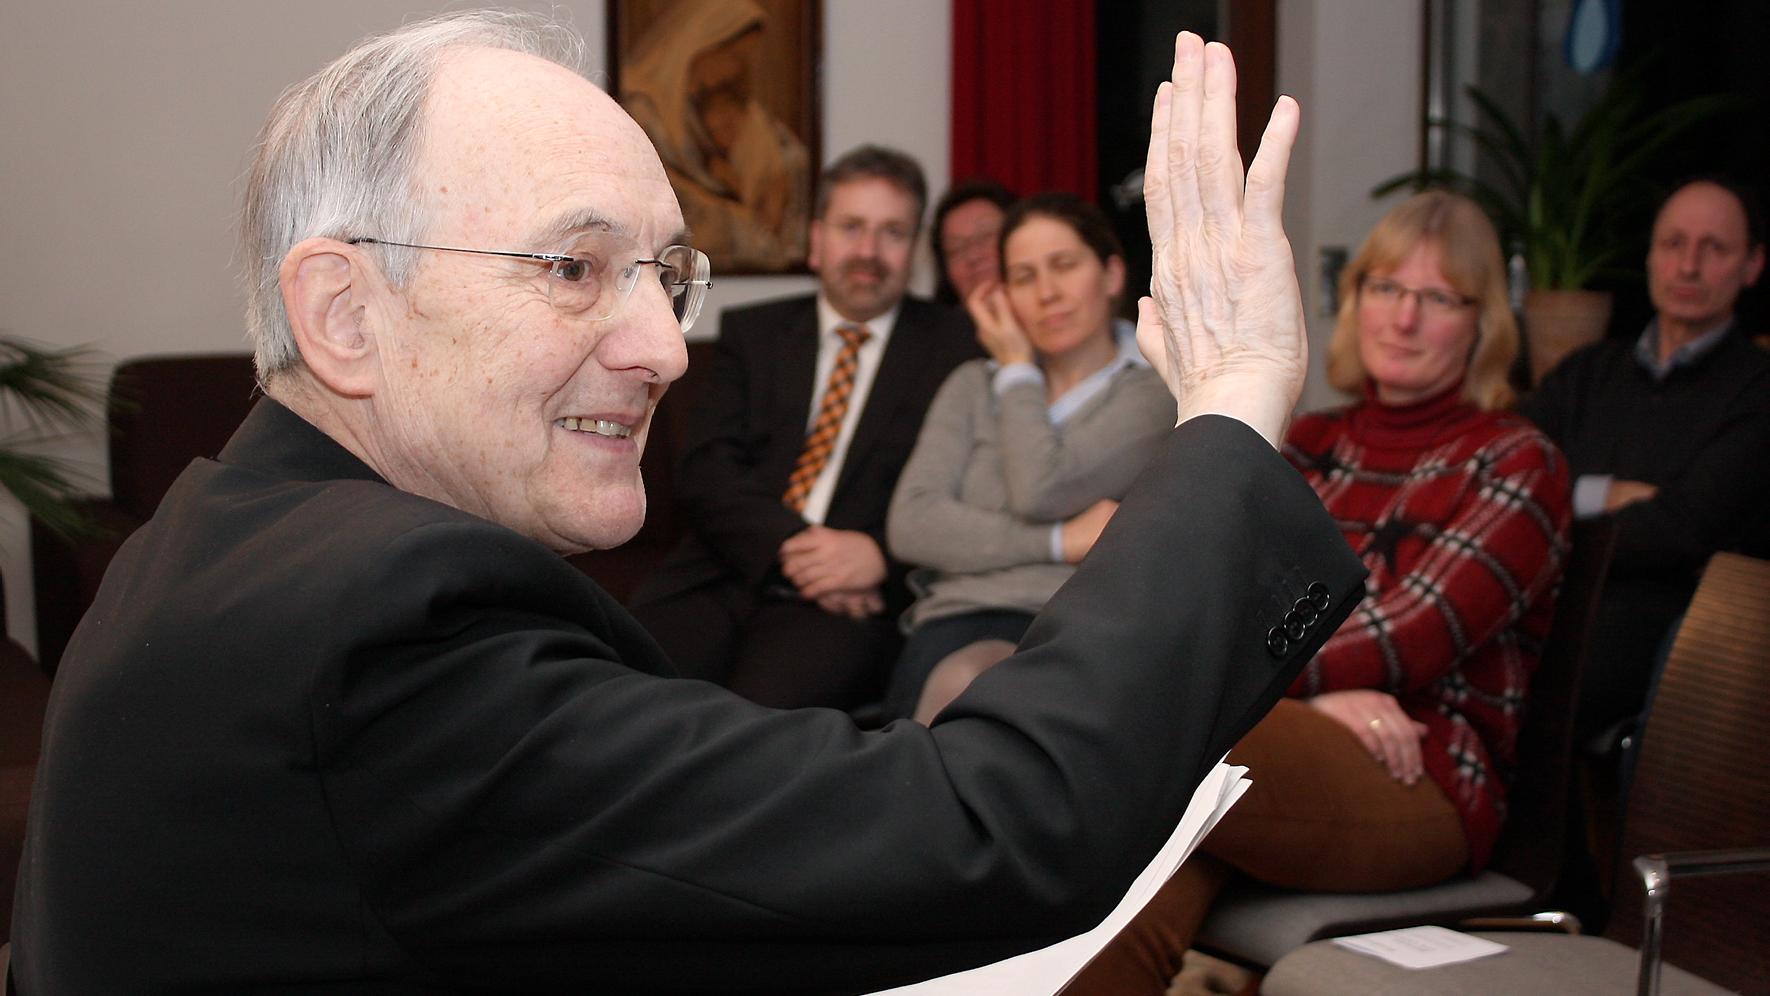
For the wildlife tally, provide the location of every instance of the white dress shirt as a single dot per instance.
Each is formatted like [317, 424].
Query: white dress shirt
[817, 503]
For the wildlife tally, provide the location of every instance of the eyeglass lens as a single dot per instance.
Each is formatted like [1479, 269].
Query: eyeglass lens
[1431, 299]
[588, 284]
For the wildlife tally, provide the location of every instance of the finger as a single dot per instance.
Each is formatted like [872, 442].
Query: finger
[1184, 114]
[1400, 745]
[1263, 202]
[1158, 204]
[1396, 743]
[1372, 730]
[997, 301]
[1367, 735]
[1408, 755]
[1152, 341]
[1219, 162]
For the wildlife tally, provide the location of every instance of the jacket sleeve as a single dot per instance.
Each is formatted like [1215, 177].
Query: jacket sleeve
[526, 810]
[1691, 517]
[1550, 405]
[929, 524]
[1502, 549]
[720, 484]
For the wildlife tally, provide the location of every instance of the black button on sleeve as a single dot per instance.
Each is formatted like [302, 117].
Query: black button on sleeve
[1277, 643]
[1294, 626]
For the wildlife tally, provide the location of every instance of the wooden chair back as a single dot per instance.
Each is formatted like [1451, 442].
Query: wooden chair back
[1699, 779]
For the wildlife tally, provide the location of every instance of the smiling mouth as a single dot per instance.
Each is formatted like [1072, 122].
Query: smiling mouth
[597, 426]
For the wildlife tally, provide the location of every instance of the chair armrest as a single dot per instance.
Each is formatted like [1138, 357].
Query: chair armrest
[1560, 920]
[1656, 868]
[1657, 872]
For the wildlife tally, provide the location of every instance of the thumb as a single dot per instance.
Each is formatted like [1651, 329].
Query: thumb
[1152, 340]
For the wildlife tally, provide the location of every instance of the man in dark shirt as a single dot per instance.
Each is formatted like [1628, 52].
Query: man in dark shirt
[1669, 432]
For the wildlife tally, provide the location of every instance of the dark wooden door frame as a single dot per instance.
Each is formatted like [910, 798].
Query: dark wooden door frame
[1250, 28]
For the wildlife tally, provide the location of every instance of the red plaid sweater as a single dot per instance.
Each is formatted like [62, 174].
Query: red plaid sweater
[1461, 516]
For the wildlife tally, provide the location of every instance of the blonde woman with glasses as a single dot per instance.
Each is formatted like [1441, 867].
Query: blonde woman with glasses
[1385, 766]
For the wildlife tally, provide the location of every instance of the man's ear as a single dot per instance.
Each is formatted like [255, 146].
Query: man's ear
[328, 287]
[1754, 265]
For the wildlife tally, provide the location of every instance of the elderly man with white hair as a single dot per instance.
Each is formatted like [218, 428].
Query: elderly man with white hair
[341, 719]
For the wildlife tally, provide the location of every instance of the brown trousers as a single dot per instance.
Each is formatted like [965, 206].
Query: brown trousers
[1321, 815]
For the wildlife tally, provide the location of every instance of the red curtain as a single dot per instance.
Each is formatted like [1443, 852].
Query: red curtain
[1023, 94]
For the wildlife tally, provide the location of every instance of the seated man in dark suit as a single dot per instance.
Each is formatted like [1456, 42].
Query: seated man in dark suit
[782, 589]
[1669, 432]
[342, 719]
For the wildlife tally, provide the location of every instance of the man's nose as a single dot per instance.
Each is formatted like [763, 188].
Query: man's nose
[647, 338]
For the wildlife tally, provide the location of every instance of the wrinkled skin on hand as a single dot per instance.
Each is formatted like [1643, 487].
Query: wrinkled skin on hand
[1224, 322]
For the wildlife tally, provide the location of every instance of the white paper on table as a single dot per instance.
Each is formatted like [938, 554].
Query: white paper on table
[1045, 971]
[1421, 947]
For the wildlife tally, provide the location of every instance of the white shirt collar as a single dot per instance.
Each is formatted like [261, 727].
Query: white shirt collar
[829, 320]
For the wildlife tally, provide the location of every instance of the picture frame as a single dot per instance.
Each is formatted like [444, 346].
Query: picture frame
[729, 93]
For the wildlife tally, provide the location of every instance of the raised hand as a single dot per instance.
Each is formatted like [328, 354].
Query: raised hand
[1224, 323]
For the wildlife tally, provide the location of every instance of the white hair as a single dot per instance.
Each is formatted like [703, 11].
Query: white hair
[337, 155]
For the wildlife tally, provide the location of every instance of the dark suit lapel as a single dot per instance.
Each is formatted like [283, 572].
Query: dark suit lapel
[902, 365]
[796, 363]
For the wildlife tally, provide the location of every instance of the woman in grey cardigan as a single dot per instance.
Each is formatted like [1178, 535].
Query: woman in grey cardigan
[1023, 456]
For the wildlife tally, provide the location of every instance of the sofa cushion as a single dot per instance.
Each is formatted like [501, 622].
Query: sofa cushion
[167, 410]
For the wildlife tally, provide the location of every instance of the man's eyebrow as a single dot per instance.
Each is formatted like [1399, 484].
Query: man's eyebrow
[591, 220]
[556, 232]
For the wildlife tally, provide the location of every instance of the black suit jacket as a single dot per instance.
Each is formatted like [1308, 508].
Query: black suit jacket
[749, 429]
[320, 735]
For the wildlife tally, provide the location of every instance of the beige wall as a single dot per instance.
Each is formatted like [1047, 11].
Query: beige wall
[123, 126]
[1354, 66]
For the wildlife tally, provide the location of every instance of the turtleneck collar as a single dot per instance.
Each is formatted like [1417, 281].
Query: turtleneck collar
[1412, 426]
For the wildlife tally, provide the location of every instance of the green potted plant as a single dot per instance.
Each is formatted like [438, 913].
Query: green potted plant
[1572, 201]
[43, 392]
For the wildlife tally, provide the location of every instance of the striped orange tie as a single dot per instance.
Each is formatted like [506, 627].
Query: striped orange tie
[821, 440]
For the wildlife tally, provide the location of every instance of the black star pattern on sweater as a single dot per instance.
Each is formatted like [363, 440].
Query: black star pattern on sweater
[1388, 536]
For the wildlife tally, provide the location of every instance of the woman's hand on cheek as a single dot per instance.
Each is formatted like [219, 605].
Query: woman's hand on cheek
[997, 329]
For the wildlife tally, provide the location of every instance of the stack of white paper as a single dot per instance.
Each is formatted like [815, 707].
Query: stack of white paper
[1421, 947]
[1045, 971]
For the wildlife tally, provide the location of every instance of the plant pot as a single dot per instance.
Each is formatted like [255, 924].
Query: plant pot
[1557, 322]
